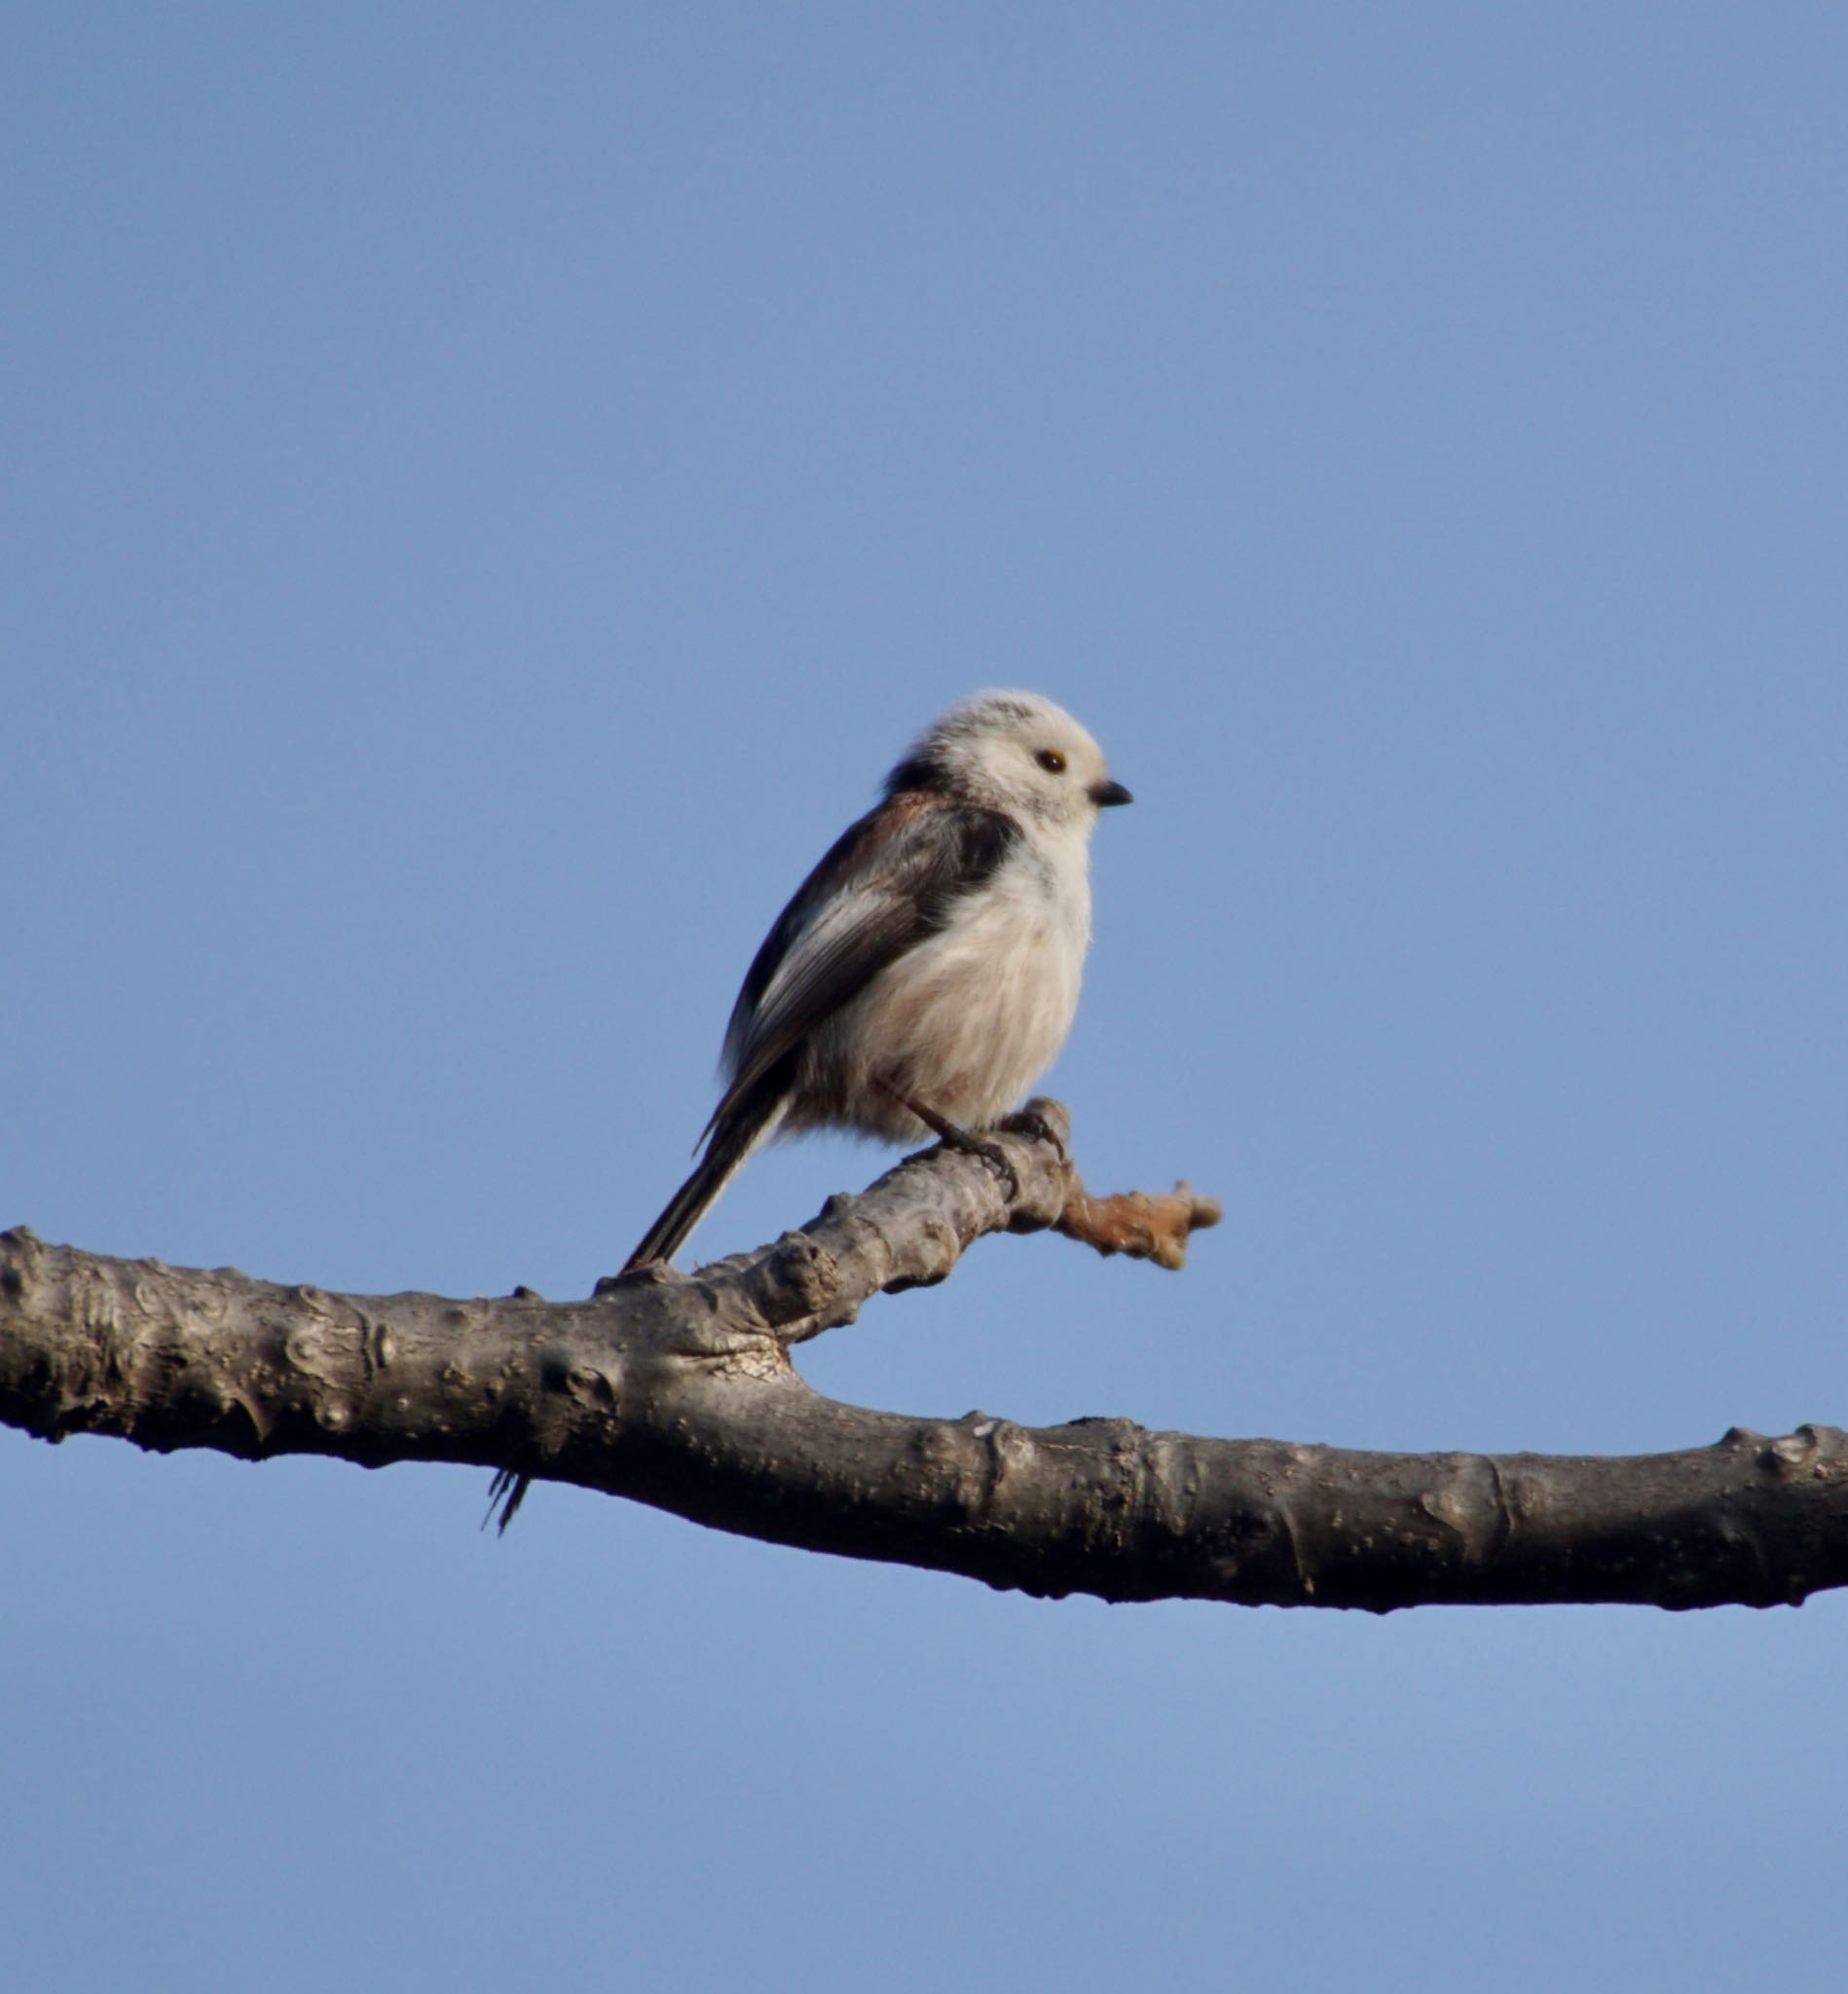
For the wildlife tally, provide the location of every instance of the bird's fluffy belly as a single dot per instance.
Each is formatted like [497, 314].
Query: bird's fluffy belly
[965, 1023]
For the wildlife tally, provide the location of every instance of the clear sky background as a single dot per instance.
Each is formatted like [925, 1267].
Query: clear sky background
[489, 490]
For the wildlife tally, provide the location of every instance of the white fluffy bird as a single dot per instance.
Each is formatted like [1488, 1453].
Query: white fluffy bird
[927, 970]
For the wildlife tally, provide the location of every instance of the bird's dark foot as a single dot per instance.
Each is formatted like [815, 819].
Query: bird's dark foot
[991, 1153]
[1038, 1127]
[953, 1135]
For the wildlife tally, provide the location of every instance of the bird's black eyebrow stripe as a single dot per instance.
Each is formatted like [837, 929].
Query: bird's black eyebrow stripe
[917, 772]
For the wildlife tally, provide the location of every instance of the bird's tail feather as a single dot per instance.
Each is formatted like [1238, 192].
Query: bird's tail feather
[731, 1144]
[737, 1131]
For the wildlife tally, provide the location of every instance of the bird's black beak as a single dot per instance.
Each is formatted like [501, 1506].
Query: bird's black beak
[1105, 795]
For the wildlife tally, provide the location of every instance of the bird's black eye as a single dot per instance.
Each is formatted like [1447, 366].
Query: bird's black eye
[1052, 761]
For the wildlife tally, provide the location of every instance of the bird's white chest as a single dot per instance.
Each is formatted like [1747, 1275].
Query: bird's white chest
[979, 1010]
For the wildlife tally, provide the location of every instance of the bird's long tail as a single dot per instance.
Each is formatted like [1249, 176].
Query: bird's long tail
[738, 1130]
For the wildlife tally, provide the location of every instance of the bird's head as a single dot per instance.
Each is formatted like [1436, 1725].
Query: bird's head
[1013, 752]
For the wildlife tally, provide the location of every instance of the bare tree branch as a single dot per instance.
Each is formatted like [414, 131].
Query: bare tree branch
[679, 1391]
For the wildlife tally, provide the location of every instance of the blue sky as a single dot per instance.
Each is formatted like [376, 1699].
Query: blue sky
[492, 491]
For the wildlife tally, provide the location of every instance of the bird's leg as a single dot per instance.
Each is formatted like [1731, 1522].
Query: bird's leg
[953, 1135]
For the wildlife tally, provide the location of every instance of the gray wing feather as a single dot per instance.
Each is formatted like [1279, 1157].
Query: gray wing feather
[889, 881]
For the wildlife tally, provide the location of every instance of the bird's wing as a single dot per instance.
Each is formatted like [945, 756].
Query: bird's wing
[887, 882]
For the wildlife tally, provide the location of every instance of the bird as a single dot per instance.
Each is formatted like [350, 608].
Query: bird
[925, 973]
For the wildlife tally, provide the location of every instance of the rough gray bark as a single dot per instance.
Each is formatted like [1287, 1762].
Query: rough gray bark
[681, 1393]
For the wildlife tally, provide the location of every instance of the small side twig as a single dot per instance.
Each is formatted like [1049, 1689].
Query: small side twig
[1143, 1225]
